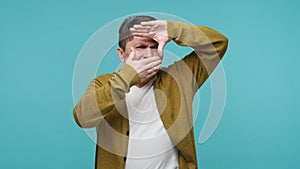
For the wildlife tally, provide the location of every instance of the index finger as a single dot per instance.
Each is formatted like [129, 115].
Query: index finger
[149, 23]
[150, 59]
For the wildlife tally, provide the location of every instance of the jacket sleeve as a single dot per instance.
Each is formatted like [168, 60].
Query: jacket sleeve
[102, 95]
[209, 47]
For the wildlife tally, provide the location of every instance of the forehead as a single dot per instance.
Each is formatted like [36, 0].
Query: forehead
[141, 40]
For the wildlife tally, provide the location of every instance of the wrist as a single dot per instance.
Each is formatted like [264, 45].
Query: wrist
[174, 29]
[130, 74]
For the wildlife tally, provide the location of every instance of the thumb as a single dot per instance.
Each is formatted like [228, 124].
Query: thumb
[160, 49]
[131, 55]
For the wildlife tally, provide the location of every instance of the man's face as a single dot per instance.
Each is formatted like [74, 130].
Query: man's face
[144, 47]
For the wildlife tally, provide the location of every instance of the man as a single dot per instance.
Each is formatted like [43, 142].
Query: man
[142, 112]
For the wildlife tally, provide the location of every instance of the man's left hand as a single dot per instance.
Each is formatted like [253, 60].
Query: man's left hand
[156, 30]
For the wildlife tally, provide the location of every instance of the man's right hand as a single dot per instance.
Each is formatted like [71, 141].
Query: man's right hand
[145, 67]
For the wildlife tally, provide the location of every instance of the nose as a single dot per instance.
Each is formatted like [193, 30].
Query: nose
[148, 52]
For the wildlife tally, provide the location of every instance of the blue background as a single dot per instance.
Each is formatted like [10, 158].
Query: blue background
[39, 45]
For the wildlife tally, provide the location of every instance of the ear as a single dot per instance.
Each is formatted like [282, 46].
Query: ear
[121, 54]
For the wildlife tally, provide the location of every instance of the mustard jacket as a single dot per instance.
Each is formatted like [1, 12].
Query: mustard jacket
[103, 104]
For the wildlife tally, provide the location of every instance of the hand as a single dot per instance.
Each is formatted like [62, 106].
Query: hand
[145, 67]
[156, 30]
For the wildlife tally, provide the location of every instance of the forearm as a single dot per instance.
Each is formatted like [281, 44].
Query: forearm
[202, 39]
[102, 95]
[209, 47]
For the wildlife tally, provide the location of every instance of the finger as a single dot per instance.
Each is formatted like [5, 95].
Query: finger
[140, 34]
[132, 53]
[150, 74]
[152, 65]
[139, 30]
[141, 27]
[158, 67]
[154, 69]
[149, 23]
[148, 60]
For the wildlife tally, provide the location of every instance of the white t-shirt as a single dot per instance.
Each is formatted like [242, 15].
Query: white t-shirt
[150, 146]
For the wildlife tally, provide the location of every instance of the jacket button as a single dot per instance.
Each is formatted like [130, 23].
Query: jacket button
[124, 158]
[127, 133]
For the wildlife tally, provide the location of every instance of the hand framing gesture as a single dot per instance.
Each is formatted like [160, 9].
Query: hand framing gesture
[156, 30]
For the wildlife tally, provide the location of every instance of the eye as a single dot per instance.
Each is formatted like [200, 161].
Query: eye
[141, 47]
[154, 46]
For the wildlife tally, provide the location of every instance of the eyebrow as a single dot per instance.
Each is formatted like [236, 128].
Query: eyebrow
[152, 42]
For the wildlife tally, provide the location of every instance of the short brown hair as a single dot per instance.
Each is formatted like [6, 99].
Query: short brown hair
[124, 32]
